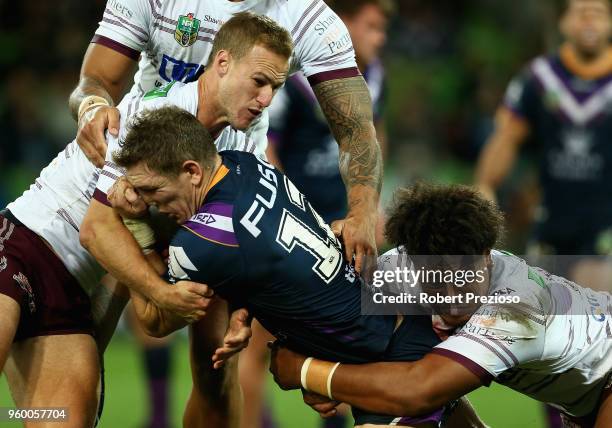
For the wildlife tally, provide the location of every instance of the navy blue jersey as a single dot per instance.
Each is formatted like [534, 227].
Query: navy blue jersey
[257, 241]
[571, 123]
[305, 146]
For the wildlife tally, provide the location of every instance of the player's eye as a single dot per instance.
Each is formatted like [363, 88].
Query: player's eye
[259, 82]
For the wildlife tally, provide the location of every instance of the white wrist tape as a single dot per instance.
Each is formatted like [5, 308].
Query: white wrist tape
[329, 381]
[304, 372]
[90, 102]
[142, 232]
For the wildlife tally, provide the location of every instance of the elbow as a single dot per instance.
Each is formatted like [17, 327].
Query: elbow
[416, 403]
[87, 235]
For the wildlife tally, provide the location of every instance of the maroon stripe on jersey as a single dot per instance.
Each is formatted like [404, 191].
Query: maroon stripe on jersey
[114, 165]
[488, 346]
[324, 76]
[484, 376]
[161, 27]
[500, 344]
[304, 15]
[109, 174]
[116, 46]
[309, 23]
[66, 217]
[101, 197]
[125, 27]
[205, 39]
[126, 22]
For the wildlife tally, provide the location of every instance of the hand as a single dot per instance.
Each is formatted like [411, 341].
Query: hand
[125, 200]
[358, 235]
[189, 300]
[286, 366]
[325, 407]
[90, 136]
[236, 337]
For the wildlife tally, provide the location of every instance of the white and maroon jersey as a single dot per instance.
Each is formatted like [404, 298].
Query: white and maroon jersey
[55, 205]
[173, 39]
[554, 346]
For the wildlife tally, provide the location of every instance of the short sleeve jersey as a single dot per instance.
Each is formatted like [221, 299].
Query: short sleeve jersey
[571, 120]
[554, 346]
[173, 39]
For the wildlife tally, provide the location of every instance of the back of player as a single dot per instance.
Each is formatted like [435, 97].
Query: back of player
[256, 240]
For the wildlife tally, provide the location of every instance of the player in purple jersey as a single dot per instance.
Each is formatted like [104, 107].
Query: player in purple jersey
[303, 147]
[561, 103]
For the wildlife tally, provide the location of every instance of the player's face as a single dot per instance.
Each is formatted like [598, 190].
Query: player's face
[251, 82]
[587, 25]
[173, 196]
[477, 283]
[368, 33]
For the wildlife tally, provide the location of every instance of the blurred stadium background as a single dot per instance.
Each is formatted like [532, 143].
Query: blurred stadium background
[448, 63]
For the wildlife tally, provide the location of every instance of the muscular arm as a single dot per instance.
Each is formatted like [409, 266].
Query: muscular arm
[407, 389]
[108, 240]
[348, 108]
[105, 73]
[156, 322]
[499, 154]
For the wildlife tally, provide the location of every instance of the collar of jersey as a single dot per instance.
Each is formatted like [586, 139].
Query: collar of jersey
[219, 175]
[588, 71]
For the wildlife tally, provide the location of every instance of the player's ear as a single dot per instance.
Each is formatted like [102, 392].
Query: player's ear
[194, 169]
[222, 62]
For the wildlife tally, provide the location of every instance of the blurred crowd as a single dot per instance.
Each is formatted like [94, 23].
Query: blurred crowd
[448, 63]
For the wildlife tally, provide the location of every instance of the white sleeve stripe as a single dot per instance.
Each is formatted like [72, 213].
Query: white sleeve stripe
[119, 24]
[488, 346]
[126, 22]
[309, 23]
[304, 15]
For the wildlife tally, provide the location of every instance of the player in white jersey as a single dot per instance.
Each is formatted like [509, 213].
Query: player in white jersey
[42, 262]
[554, 345]
[174, 40]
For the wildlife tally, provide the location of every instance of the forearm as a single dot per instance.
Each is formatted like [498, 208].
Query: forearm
[495, 163]
[387, 388]
[155, 321]
[87, 86]
[348, 108]
[109, 241]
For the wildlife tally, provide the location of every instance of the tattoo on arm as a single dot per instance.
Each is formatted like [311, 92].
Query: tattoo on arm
[87, 86]
[348, 108]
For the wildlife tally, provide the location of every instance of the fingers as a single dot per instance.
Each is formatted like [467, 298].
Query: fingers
[323, 405]
[337, 227]
[125, 200]
[113, 121]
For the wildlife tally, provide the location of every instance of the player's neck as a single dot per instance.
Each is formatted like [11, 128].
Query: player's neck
[587, 68]
[209, 110]
[216, 174]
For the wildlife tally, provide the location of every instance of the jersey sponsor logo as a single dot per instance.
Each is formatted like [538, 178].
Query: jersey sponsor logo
[203, 218]
[3, 263]
[186, 32]
[597, 311]
[177, 263]
[323, 24]
[172, 69]
[120, 8]
[24, 283]
[159, 92]
[576, 160]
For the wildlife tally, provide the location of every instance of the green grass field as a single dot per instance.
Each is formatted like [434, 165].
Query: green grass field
[126, 395]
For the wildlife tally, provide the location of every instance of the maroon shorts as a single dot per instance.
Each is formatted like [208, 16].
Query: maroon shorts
[52, 301]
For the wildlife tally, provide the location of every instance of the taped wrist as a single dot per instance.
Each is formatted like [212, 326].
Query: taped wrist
[142, 232]
[89, 103]
[316, 376]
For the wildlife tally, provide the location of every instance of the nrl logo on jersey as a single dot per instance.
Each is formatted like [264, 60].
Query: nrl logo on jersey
[186, 31]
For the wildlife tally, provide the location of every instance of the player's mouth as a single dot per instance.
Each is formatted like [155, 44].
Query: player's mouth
[255, 112]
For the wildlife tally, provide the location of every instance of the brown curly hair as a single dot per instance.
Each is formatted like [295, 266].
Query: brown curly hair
[428, 219]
